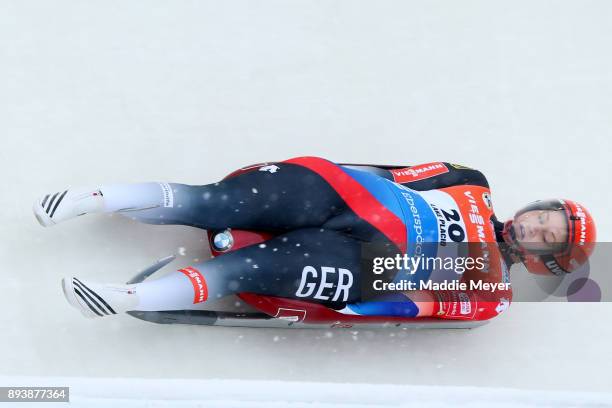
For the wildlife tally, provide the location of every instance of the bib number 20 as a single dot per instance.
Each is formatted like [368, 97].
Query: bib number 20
[454, 230]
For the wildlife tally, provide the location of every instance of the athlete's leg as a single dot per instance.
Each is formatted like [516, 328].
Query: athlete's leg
[154, 203]
[281, 197]
[312, 264]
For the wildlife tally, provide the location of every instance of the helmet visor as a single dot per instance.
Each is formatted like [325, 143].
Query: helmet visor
[542, 228]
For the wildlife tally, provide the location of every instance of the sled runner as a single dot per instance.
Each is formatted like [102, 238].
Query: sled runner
[252, 310]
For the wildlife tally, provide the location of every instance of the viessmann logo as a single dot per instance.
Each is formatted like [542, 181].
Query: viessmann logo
[199, 284]
[420, 172]
[580, 213]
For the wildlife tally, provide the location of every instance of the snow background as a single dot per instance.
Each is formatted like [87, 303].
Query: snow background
[100, 92]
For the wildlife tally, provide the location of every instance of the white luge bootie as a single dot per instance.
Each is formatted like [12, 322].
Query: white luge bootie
[98, 300]
[53, 208]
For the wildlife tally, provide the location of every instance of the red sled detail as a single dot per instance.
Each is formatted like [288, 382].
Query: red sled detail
[308, 312]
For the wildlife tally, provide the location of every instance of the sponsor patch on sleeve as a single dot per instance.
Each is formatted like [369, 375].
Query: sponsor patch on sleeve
[199, 284]
[420, 172]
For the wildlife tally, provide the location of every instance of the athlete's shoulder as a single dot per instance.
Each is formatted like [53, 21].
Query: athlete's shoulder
[438, 175]
[468, 175]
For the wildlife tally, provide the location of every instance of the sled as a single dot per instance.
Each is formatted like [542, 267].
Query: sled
[252, 310]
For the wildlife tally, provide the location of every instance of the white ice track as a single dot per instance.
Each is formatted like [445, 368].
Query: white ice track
[188, 91]
[162, 393]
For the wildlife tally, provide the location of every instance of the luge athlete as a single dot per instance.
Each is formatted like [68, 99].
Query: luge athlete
[322, 214]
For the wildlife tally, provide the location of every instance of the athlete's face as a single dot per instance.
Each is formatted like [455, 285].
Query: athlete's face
[541, 230]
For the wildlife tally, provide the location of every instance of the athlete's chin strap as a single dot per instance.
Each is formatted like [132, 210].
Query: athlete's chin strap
[507, 242]
[552, 265]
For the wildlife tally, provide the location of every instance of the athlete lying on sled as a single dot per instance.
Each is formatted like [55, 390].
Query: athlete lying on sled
[312, 217]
